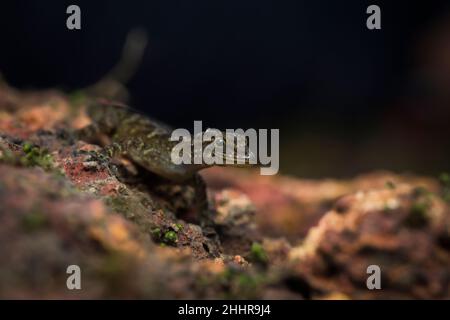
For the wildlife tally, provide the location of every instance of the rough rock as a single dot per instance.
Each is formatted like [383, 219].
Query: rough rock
[63, 202]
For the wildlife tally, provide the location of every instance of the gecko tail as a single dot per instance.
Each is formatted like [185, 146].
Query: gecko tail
[132, 55]
[112, 85]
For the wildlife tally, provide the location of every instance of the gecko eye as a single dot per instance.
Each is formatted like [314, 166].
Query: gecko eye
[219, 142]
[232, 147]
[240, 150]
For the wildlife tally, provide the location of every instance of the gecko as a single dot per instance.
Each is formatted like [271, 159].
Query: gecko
[146, 142]
[137, 137]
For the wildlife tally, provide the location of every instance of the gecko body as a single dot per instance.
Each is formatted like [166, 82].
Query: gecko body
[144, 141]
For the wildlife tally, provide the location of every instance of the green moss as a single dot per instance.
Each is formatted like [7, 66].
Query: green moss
[444, 179]
[27, 147]
[35, 156]
[170, 237]
[156, 233]
[248, 282]
[257, 253]
[34, 221]
[178, 227]
[240, 284]
[390, 185]
[77, 98]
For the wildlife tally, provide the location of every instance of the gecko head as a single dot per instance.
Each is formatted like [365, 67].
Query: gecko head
[232, 147]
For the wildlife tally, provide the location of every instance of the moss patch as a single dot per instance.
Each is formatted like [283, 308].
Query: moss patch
[257, 253]
[444, 179]
[35, 156]
[170, 237]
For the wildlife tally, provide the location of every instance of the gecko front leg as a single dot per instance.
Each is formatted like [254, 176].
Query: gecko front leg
[204, 212]
[110, 151]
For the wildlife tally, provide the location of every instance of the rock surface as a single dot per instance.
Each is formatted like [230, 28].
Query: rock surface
[63, 203]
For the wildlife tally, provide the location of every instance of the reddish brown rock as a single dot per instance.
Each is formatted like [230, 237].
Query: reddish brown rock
[405, 231]
[64, 202]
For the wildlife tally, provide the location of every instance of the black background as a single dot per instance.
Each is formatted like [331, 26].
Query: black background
[306, 67]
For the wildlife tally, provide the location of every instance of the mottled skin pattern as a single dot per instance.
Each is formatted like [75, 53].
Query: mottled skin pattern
[137, 137]
[144, 141]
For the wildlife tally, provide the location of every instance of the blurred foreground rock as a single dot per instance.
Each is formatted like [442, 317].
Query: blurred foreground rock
[134, 236]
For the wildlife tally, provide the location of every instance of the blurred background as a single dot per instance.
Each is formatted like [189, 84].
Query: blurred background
[346, 99]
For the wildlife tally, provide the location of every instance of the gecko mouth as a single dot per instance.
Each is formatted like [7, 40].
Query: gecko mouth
[231, 148]
[240, 152]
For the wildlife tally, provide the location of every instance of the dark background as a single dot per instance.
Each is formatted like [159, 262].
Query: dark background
[346, 99]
